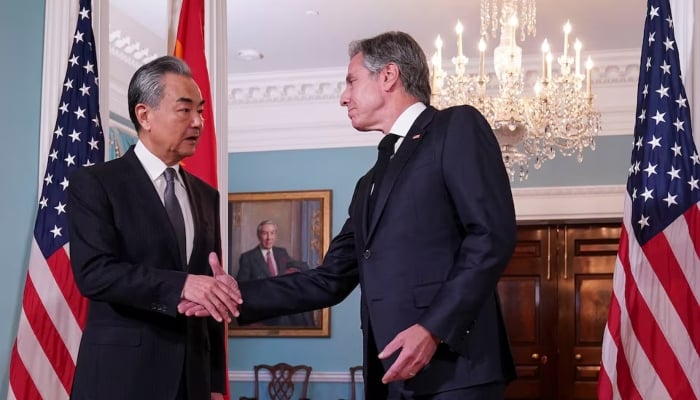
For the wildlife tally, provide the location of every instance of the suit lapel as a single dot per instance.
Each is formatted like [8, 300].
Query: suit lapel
[364, 190]
[410, 143]
[141, 183]
[279, 261]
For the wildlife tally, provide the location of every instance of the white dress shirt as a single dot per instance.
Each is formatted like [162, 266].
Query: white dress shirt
[155, 168]
[404, 122]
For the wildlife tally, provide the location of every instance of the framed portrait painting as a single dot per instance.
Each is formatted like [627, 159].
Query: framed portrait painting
[296, 227]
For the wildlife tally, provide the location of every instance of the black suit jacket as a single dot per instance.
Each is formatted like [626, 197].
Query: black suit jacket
[442, 233]
[252, 265]
[126, 262]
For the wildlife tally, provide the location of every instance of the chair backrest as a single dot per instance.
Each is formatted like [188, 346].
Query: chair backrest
[353, 381]
[281, 386]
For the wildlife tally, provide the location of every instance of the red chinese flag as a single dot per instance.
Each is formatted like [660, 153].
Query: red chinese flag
[190, 47]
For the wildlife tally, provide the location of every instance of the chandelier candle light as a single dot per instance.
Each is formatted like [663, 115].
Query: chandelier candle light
[558, 117]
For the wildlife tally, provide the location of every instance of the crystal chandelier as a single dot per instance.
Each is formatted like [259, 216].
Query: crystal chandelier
[558, 117]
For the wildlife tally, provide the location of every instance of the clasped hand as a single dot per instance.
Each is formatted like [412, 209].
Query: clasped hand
[217, 296]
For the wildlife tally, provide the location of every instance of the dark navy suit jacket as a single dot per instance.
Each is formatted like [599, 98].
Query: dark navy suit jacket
[442, 233]
[126, 262]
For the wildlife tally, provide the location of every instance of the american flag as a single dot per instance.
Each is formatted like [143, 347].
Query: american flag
[651, 344]
[53, 312]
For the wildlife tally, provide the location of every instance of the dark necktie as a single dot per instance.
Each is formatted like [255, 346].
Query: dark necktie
[172, 206]
[386, 150]
[271, 264]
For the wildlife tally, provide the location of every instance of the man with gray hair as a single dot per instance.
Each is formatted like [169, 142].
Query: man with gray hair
[145, 240]
[430, 229]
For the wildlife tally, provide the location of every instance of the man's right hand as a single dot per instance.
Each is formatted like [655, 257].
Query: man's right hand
[218, 296]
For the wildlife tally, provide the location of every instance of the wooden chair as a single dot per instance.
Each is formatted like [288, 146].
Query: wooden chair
[281, 386]
[354, 371]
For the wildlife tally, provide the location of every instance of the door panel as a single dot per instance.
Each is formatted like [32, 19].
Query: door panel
[585, 289]
[555, 296]
[528, 298]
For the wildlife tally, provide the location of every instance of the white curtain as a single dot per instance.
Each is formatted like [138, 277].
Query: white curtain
[687, 34]
[174, 7]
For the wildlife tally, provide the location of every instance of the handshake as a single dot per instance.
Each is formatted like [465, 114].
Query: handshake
[217, 296]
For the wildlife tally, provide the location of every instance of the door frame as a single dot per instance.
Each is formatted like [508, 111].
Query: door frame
[569, 203]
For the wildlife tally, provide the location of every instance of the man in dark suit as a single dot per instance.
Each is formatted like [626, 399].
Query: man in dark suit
[267, 260]
[429, 232]
[136, 261]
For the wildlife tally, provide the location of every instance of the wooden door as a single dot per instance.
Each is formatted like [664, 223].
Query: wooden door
[529, 302]
[585, 290]
[555, 296]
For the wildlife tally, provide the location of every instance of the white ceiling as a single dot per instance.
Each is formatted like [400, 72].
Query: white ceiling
[292, 40]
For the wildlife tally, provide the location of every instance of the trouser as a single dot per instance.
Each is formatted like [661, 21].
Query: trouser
[376, 390]
[489, 391]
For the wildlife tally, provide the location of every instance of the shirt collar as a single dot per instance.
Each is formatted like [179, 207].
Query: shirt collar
[407, 118]
[153, 165]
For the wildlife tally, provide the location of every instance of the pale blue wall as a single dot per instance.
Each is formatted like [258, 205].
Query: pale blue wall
[21, 40]
[607, 165]
[337, 170]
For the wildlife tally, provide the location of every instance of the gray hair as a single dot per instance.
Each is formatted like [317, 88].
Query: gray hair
[401, 49]
[265, 222]
[146, 86]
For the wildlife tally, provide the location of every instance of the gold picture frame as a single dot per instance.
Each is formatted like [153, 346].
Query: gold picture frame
[303, 219]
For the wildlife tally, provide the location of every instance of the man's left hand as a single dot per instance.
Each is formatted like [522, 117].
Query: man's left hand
[417, 346]
[217, 396]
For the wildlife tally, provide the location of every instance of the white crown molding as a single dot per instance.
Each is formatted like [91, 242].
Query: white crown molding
[291, 110]
[286, 86]
[130, 42]
[569, 203]
[612, 67]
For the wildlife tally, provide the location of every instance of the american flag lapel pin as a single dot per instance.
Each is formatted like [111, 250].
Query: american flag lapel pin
[416, 136]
